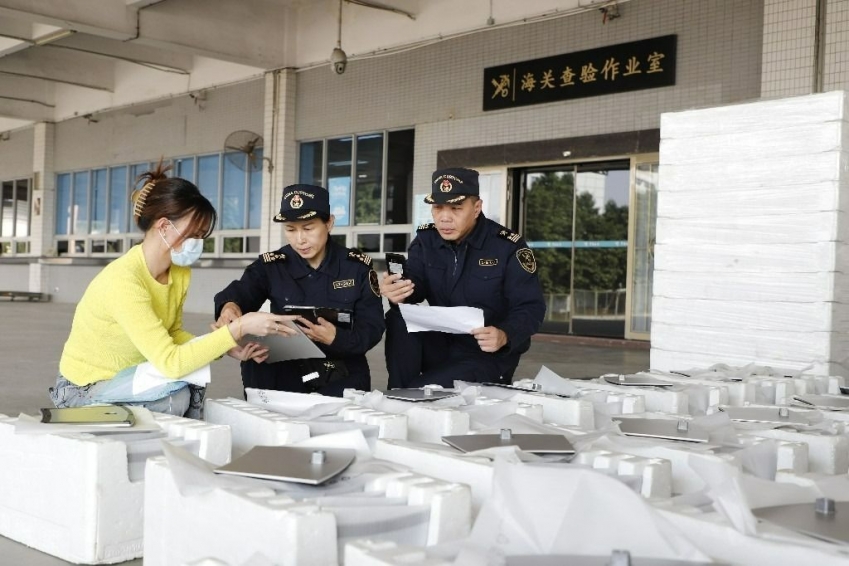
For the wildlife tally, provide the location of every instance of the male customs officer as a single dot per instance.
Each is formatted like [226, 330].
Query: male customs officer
[463, 259]
[314, 271]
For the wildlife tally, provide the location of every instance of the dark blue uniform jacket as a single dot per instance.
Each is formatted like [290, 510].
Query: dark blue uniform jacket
[344, 280]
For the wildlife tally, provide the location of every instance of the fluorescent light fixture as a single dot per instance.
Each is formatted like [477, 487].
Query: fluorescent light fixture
[53, 36]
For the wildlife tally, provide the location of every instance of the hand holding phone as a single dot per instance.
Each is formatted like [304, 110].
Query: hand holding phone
[396, 263]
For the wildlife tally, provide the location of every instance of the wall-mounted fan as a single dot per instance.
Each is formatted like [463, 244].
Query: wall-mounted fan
[242, 149]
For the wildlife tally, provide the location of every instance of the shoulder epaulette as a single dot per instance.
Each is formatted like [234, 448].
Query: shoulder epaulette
[359, 256]
[509, 235]
[426, 226]
[270, 257]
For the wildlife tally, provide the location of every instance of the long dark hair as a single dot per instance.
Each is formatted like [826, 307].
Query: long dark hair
[172, 198]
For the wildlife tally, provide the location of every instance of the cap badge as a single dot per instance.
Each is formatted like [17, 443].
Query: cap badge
[446, 186]
[296, 202]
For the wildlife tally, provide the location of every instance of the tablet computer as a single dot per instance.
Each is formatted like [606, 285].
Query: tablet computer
[96, 415]
[343, 318]
[282, 348]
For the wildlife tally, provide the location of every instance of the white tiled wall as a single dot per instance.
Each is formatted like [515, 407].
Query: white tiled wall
[789, 43]
[16, 155]
[439, 88]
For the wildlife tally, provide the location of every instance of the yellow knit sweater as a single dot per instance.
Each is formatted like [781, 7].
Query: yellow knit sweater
[126, 317]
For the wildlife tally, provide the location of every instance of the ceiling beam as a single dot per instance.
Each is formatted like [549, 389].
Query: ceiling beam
[106, 18]
[133, 52]
[248, 32]
[79, 69]
[26, 99]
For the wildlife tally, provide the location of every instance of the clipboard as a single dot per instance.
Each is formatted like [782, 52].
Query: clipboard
[107, 416]
[284, 348]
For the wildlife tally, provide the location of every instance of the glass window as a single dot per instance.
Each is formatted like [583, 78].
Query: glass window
[63, 204]
[396, 242]
[135, 171]
[255, 193]
[184, 168]
[7, 209]
[399, 177]
[80, 199]
[234, 245]
[98, 201]
[369, 179]
[232, 211]
[119, 199]
[309, 171]
[208, 166]
[368, 243]
[339, 179]
[22, 199]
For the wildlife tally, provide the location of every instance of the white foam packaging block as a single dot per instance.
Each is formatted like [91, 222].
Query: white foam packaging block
[232, 525]
[754, 223]
[427, 424]
[367, 552]
[254, 426]
[561, 410]
[71, 495]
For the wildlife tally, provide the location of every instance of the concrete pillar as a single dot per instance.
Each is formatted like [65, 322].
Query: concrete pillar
[281, 147]
[43, 204]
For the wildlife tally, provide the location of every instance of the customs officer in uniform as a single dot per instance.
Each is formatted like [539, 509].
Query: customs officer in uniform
[463, 259]
[313, 271]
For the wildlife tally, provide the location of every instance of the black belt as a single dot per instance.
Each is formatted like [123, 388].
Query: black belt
[318, 373]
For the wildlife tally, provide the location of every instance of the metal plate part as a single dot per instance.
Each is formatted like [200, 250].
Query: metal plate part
[635, 380]
[827, 402]
[534, 443]
[803, 518]
[576, 560]
[288, 463]
[766, 415]
[666, 429]
[418, 395]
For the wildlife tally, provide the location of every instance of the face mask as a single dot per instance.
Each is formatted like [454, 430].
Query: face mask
[189, 253]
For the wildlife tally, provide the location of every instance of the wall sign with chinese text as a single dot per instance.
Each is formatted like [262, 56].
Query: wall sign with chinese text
[649, 63]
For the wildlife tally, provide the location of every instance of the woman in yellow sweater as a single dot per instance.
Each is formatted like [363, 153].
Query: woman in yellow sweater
[132, 311]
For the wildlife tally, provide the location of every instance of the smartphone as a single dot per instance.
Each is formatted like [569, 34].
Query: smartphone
[396, 263]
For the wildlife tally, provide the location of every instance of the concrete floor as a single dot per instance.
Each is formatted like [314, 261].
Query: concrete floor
[32, 335]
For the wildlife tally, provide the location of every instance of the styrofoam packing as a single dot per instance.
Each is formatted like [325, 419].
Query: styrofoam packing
[622, 403]
[734, 393]
[532, 411]
[390, 425]
[770, 346]
[741, 315]
[232, 524]
[450, 503]
[774, 116]
[561, 410]
[789, 456]
[745, 258]
[366, 552]
[430, 424]
[444, 464]
[254, 426]
[818, 384]
[656, 473]
[752, 287]
[826, 454]
[656, 400]
[70, 495]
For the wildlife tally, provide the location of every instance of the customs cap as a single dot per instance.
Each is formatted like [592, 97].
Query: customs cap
[303, 202]
[451, 186]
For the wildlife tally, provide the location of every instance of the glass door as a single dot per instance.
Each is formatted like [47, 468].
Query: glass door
[549, 196]
[641, 264]
[575, 217]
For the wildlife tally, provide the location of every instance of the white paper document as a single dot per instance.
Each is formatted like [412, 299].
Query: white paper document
[453, 320]
[148, 377]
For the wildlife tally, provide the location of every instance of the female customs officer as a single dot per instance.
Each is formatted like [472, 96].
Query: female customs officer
[311, 271]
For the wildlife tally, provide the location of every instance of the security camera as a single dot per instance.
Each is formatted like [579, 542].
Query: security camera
[338, 60]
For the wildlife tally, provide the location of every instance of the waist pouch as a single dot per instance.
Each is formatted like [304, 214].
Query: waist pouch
[328, 371]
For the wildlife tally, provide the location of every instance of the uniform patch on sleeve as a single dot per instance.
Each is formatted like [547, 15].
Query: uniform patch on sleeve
[270, 257]
[509, 235]
[426, 226]
[359, 256]
[372, 280]
[527, 260]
